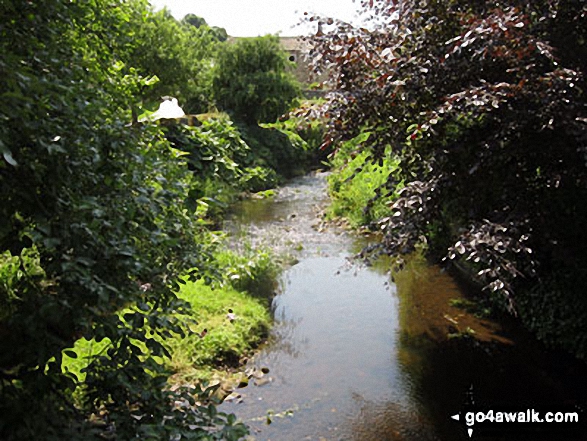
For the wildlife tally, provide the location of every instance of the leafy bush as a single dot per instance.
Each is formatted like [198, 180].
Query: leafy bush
[17, 274]
[303, 126]
[356, 183]
[215, 149]
[483, 104]
[273, 149]
[179, 55]
[92, 222]
[257, 178]
[253, 271]
[250, 80]
[222, 162]
[227, 319]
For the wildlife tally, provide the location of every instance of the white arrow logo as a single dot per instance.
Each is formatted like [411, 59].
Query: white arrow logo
[457, 417]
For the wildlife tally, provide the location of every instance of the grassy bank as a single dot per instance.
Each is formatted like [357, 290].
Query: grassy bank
[232, 316]
[226, 321]
[230, 324]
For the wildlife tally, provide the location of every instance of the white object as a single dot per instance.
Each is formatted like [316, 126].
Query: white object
[168, 109]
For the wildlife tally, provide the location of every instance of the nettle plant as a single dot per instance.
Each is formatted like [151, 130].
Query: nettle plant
[484, 106]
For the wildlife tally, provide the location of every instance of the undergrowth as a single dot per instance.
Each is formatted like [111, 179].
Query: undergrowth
[228, 318]
[357, 185]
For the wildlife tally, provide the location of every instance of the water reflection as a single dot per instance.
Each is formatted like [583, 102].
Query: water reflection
[355, 357]
[501, 365]
[333, 338]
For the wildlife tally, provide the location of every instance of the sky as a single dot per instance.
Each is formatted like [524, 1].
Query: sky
[250, 18]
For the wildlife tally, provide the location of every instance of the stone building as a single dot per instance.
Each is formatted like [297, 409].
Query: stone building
[298, 50]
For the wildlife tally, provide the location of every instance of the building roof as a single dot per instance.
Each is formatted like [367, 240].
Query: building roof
[289, 44]
[294, 44]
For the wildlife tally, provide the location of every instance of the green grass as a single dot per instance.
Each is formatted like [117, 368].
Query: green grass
[245, 291]
[253, 271]
[78, 357]
[197, 357]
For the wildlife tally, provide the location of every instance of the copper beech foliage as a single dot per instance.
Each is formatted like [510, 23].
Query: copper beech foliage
[484, 104]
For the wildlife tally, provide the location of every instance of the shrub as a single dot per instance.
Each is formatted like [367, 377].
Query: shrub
[93, 222]
[483, 104]
[356, 183]
[250, 80]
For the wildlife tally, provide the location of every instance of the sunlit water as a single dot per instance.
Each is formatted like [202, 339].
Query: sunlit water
[351, 356]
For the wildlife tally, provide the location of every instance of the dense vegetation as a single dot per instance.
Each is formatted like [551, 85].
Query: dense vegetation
[102, 218]
[459, 127]
[480, 109]
[251, 81]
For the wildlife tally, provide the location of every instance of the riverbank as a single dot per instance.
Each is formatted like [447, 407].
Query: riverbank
[227, 320]
[230, 324]
[355, 356]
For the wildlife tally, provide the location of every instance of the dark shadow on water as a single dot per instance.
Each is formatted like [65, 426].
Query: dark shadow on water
[496, 366]
[356, 357]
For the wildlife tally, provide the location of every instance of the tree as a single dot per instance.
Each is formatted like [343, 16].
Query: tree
[250, 80]
[219, 34]
[94, 232]
[194, 20]
[484, 106]
[179, 55]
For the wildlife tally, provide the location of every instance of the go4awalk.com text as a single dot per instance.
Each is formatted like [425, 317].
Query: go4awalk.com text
[530, 421]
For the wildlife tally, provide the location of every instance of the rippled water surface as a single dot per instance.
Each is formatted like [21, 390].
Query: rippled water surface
[356, 357]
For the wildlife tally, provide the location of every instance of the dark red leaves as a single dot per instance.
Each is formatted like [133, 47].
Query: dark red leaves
[494, 101]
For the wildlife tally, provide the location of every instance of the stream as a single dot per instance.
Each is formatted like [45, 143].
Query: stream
[354, 356]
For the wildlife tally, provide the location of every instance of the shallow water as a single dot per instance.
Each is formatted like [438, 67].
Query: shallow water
[353, 356]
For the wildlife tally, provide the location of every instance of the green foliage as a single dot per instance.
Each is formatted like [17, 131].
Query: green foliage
[194, 20]
[303, 126]
[356, 183]
[555, 310]
[253, 271]
[101, 218]
[219, 34]
[228, 337]
[273, 149]
[77, 358]
[480, 308]
[215, 148]
[304, 129]
[255, 179]
[222, 162]
[250, 80]
[17, 274]
[178, 55]
[247, 284]
[93, 222]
